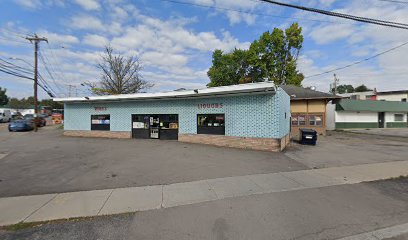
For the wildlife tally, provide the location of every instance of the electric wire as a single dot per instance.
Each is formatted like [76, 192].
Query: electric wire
[342, 15]
[249, 12]
[358, 62]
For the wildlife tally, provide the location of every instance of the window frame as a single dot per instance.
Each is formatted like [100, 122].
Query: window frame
[315, 115]
[100, 127]
[213, 130]
[401, 115]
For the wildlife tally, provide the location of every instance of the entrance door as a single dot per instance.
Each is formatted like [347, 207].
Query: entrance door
[381, 119]
[154, 126]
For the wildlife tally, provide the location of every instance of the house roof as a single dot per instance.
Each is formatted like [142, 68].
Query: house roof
[241, 89]
[393, 92]
[371, 106]
[300, 93]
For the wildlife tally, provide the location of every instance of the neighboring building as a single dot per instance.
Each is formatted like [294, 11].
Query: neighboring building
[308, 109]
[349, 113]
[254, 116]
[400, 96]
[369, 95]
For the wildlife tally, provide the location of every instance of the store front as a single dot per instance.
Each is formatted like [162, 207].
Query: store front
[254, 116]
[155, 126]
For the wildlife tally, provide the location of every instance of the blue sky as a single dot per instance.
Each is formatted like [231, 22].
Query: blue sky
[175, 41]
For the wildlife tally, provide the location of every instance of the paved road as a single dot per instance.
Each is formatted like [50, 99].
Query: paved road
[322, 213]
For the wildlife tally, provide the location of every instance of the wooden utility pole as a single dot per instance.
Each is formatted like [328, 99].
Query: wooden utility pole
[36, 40]
[336, 81]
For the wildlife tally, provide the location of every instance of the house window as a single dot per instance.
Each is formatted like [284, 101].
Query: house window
[298, 120]
[315, 120]
[211, 124]
[403, 100]
[100, 122]
[398, 117]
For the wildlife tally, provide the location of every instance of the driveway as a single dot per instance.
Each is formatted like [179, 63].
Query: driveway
[346, 149]
[47, 162]
[391, 132]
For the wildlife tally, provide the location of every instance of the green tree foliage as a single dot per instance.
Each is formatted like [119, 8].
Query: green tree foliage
[29, 103]
[362, 88]
[272, 57]
[345, 89]
[3, 97]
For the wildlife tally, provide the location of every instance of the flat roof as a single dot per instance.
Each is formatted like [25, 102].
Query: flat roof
[248, 88]
[392, 92]
[371, 106]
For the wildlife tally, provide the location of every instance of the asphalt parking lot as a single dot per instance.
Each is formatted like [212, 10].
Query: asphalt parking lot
[48, 162]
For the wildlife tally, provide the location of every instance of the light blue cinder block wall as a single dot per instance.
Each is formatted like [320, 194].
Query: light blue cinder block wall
[260, 115]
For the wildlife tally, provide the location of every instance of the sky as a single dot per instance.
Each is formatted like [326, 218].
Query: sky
[174, 40]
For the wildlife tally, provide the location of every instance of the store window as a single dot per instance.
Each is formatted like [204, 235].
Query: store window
[298, 120]
[398, 117]
[211, 124]
[315, 120]
[169, 121]
[100, 122]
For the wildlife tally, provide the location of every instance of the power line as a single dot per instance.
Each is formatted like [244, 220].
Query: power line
[358, 62]
[249, 12]
[394, 1]
[49, 71]
[20, 72]
[342, 15]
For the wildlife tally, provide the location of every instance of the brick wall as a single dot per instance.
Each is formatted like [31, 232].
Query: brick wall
[264, 144]
[104, 134]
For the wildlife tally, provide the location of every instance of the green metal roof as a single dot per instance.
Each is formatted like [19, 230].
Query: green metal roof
[371, 106]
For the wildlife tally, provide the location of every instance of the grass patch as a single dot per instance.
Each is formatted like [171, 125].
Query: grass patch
[61, 126]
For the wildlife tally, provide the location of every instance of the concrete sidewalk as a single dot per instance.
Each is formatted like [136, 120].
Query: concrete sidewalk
[121, 200]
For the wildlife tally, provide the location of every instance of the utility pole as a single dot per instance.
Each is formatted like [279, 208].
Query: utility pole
[336, 81]
[36, 40]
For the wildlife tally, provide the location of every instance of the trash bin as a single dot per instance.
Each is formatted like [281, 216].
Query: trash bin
[308, 136]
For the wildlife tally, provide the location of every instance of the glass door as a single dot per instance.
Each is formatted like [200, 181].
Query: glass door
[154, 126]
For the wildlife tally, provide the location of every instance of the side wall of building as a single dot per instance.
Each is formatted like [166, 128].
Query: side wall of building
[391, 121]
[256, 116]
[392, 97]
[309, 107]
[345, 119]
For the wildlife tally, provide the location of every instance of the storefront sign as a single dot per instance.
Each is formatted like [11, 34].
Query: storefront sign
[100, 109]
[210, 105]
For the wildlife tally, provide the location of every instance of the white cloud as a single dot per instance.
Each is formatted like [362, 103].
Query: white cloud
[88, 4]
[95, 40]
[29, 3]
[56, 38]
[87, 22]
[330, 33]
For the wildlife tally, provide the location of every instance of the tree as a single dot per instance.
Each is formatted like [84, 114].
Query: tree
[362, 88]
[120, 75]
[228, 69]
[272, 57]
[345, 89]
[4, 99]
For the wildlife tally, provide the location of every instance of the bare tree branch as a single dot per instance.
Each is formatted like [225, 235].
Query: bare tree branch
[120, 75]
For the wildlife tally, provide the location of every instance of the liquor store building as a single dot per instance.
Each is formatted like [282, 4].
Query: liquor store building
[253, 116]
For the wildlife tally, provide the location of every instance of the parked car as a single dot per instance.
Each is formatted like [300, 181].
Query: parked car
[41, 122]
[20, 125]
[5, 115]
[16, 116]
